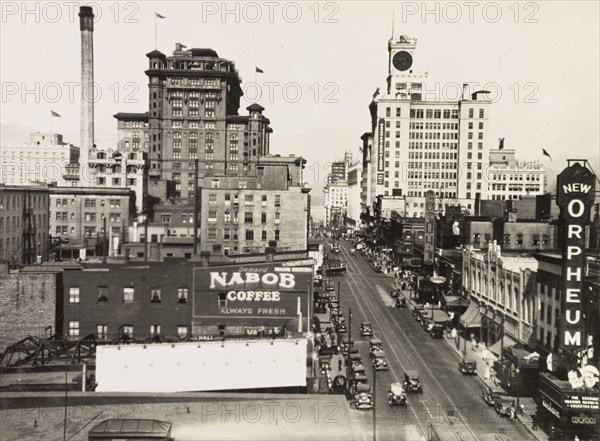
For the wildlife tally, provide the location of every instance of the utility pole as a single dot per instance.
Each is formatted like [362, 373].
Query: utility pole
[196, 190]
[374, 404]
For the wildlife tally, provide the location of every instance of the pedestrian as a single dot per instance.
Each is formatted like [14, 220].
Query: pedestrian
[512, 412]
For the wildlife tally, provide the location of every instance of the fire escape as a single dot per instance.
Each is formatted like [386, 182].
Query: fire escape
[29, 232]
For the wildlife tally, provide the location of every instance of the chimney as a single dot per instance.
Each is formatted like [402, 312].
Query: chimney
[205, 258]
[465, 94]
[86, 26]
[269, 253]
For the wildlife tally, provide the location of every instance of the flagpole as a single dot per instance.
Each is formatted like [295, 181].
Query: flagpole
[155, 32]
[51, 117]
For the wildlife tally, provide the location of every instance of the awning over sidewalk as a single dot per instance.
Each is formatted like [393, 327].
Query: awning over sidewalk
[438, 316]
[454, 301]
[472, 317]
[497, 347]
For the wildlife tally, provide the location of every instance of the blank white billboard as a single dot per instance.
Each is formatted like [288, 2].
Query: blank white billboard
[201, 366]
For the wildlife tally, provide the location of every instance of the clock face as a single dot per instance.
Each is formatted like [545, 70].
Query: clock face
[402, 60]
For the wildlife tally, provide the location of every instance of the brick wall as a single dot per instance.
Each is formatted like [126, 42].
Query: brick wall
[27, 303]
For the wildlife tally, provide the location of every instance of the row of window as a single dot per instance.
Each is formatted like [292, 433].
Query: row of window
[434, 113]
[128, 294]
[416, 125]
[102, 330]
[232, 234]
[17, 201]
[89, 203]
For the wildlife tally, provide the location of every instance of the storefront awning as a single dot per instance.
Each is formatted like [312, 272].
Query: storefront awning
[472, 317]
[438, 315]
[496, 348]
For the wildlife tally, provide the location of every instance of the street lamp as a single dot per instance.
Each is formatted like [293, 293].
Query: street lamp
[518, 381]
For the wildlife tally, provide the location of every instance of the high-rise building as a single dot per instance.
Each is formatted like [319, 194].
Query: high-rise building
[420, 144]
[194, 98]
[510, 178]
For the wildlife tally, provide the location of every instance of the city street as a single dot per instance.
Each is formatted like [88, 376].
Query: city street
[450, 402]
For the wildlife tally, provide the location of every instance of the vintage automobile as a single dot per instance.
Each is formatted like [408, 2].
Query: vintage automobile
[411, 382]
[360, 379]
[340, 327]
[400, 302]
[467, 367]
[352, 252]
[379, 361]
[345, 345]
[503, 406]
[437, 331]
[375, 345]
[377, 268]
[395, 292]
[417, 310]
[362, 397]
[491, 394]
[358, 371]
[325, 363]
[396, 395]
[366, 329]
[355, 359]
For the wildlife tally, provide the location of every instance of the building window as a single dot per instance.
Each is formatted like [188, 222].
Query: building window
[154, 330]
[182, 295]
[264, 235]
[263, 218]
[155, 295]
[276, 234]
[249, 234]
[102, 332]
[74, 329]
[128, 330]
[103, 293]
[182, 331]
[248, 218]
[278, 200]
[222, 300]
[481, 113]
[74, 294]
[128, 293]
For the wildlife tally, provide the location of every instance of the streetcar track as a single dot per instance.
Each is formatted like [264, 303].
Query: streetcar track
[419, 357]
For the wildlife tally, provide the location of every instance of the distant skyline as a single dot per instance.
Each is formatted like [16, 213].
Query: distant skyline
[540, 60]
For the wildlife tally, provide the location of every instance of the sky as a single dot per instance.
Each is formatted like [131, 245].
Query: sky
[322, 62]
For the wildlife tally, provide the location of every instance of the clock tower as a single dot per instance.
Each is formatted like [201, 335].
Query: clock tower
[403, 82]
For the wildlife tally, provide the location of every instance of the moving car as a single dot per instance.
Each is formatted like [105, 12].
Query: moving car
[375, 345]
[362, 397]
[366, 329]
[396, 395]
[491, 394]
[379, 361]
[352, 252]
[412, 382]
[467, 367]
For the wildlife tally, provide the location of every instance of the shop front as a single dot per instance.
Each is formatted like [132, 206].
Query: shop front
[574, 411]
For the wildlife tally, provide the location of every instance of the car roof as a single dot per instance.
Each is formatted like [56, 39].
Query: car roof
[362, 387]
[365, 323]
[378, 353]
[375, 340]
[360, 377]
[396, 388]
[412, 373]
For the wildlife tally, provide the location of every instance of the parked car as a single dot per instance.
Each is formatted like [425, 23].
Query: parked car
[355, 359]
[437, 331]
[360, 379]
[400, 302]
[396, 395]
[340, 327]
[467, 367]
[375, 345]
[491, 394]
[379, 361]
[362, 397]
[378, 269]
[366, 329]
[345, 345]
[395, 292]
[503, 406]
[358, 371]
[412, 382]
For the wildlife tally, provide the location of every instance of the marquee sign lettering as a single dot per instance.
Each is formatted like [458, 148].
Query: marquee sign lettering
[575, 197]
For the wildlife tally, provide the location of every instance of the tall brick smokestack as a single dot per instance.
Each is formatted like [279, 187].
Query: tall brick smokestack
[86, 26]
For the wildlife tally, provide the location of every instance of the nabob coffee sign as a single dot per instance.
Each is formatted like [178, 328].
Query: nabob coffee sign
[575, 197]
[251, 291]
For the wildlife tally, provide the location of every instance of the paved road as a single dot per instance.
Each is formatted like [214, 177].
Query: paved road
[450, 402]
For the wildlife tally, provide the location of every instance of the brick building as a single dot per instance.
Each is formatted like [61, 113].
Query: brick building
[30, 303]
[24, 212]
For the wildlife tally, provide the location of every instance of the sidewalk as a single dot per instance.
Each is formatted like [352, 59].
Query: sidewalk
[529, 405]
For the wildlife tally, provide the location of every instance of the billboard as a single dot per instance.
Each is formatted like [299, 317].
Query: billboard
[429, 245]
[254, 291]
[201, 366]
[575, 191]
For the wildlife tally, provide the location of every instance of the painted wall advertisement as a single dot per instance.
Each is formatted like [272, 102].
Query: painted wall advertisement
[264, 291]
[575, 197]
